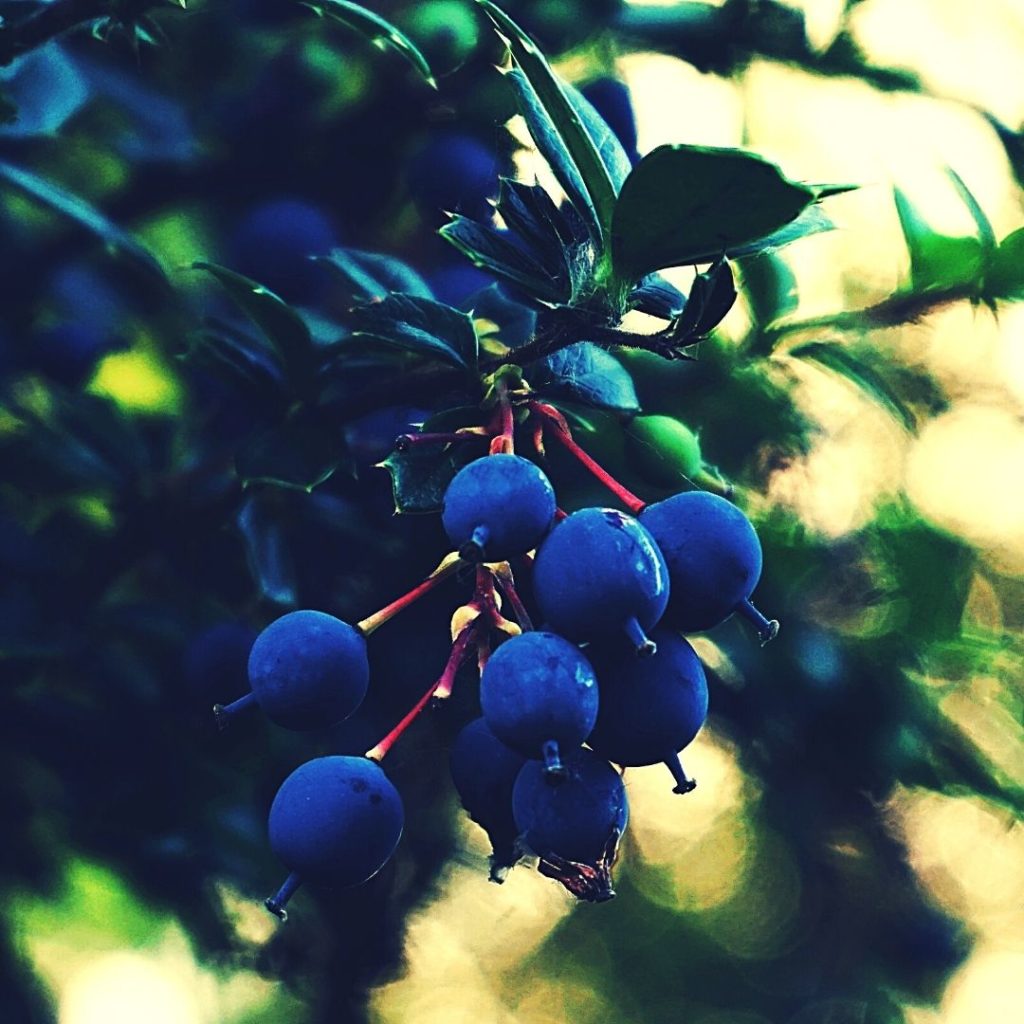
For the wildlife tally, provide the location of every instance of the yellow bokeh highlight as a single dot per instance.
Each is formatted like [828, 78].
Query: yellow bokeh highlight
[139, 381]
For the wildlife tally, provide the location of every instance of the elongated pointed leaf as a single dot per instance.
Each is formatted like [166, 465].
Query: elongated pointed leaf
[985, 233]
[371, 275]
[936, 260]
[589, 373]
[682, 203]
[565, 119]
[422, 326]
[83, 214]
[491, 251]
[379, 31]
[839, 360]
[281, 325]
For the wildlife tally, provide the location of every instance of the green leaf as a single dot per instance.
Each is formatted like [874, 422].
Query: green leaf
[298, 456]
[589, 373]
[985, 233]
[682, 203]
[379, 32]
[565, 120]
[421, 473]
[371, 275]
[281, 325]
[936, 261]
[839, 360]
[492, 251]
[712, 295]
[1005, 278]
[422, 326]
[85, 215]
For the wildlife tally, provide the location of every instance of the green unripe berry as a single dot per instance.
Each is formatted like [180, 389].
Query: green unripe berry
[663, 450]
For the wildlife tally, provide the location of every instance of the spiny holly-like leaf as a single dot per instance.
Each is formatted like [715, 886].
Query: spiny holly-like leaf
[595, 190]
[1005, 278]
[298, 456]
[682, 203]
[421, 473]
[281, 325]
[371, 275]
[498, 254]
[589, 373]
[936, 260]
[379, 31]
[841, 361]
[83, 214]
[422, 326]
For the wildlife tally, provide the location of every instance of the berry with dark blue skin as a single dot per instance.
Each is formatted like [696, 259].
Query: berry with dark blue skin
[713, 557]
[652, 708]
[539, 695]
[335, 822]
[274, 243]
[453, 172]
[575, 827]
[611, 99]
[307, 670]
[600, 572]
[498, 507]
[484, 771]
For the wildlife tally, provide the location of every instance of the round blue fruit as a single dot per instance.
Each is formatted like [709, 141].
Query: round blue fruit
[652, 707]
[600, 572]
[539, 695]
[498, 507]
[274, 243]
[453, 172]
[713, 556]
[308, 670]
[484, 771]
[580, 819]
[335, 821]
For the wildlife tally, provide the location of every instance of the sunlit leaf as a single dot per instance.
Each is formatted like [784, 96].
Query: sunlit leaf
[936, 260]
[1005, 277]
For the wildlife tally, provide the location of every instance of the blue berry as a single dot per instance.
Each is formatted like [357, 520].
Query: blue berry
[713, 557]
[599, 572]
[453, 172]
[274, 243]
[497, 507]
[335, 821]
[574, 828]
[484, 771]
[539, 696]
[307, 670]
[652, 708]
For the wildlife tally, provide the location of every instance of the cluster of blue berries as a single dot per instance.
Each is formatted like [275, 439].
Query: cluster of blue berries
[607, 679]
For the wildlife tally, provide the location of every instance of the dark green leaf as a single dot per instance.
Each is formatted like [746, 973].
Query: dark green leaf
[491, 250]
[598, 192]
[86, 216]
[270, 562]
[421, 473]
[298, 456]
[682, 203]
[855, 370]
[985, 233]
[1005, 278]
[371, 275]
[420, 325]
[936, 261]
[380, 32]
[711, 297]
[281, 325]
[657, 297]
[811, 222]
[770, 287]
[587, 372]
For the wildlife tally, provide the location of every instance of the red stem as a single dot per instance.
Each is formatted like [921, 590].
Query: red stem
[560, 429]
[439, 575]
[503, 443]
[508, 588]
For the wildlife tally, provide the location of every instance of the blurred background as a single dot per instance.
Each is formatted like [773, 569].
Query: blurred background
[854, 852]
